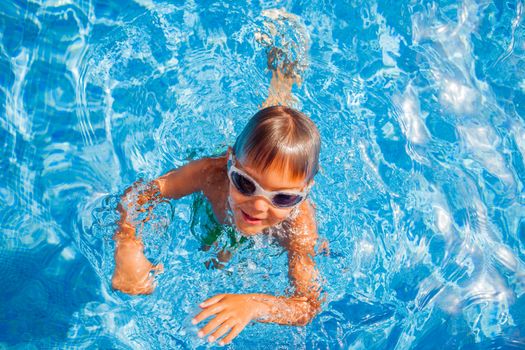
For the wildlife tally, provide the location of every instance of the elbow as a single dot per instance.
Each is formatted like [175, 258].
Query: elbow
[312, 308]
[303, 321]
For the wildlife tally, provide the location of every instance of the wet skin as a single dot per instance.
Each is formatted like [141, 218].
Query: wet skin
[252, 215]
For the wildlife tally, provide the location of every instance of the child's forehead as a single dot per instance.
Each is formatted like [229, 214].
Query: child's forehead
[274, 176]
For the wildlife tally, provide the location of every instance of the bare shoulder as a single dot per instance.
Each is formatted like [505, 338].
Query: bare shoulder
[215, 173]
[302, 231]
[197, 175]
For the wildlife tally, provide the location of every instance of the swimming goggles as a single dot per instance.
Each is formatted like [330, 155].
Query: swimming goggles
[249, 187]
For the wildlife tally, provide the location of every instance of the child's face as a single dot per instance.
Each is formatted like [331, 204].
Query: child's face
[254, 213]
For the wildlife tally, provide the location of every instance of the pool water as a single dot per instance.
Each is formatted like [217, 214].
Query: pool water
[421, 109]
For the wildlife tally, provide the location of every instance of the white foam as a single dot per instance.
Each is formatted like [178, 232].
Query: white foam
[59, 3]
[365, 247]
[68, 253]
[519, 137]
[389, 131]
[483, 141]
[522, 83]
[459, 88]
[14, 107]
[489, 288]
[389, 43]
[458, 96]
[410, 117]
[52, 237]
[506, 257]
[452, 305]
[148, 4]
[443, 219]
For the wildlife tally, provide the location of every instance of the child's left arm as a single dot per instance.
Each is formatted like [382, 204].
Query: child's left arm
[234, 311]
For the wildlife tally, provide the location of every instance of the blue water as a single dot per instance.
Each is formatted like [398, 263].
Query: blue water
[421, 108]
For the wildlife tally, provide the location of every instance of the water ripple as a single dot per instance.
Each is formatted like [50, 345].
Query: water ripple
[420, 195]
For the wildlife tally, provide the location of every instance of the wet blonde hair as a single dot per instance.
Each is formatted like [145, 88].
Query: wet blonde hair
[280, 137]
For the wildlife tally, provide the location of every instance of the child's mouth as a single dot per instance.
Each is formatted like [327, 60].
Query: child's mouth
[250, 219]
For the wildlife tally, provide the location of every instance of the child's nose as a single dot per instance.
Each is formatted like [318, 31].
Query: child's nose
[260, 204]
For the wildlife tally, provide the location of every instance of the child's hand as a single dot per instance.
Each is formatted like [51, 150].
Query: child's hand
[232, 313]
[132, 268]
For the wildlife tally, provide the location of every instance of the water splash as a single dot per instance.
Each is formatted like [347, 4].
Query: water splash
[420, 196]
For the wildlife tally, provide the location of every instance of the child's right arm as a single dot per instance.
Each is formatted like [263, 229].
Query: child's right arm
[132, 269]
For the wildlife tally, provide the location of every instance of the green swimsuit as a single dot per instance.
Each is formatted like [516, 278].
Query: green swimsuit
[207, 229]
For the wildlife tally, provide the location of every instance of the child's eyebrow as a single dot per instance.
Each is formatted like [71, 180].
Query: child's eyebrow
[283, 188]
[256, 176]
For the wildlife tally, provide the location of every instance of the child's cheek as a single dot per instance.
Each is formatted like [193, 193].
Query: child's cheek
[236, 197]
[278, 215]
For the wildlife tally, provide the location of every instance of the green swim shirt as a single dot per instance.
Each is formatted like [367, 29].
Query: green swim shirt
[208, 230]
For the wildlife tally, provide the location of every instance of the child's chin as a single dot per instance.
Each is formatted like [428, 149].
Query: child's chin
[249, 230]
[245, 228]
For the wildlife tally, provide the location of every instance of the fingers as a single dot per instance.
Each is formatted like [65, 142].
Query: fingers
[230, 318]
[214, 323]
[225, 327]
[212, 300]
[204, 314]
[234, 332]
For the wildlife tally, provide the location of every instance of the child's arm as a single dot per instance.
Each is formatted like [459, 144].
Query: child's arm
[188, 179]
[234, 311]
[304, 304]
[132, 269]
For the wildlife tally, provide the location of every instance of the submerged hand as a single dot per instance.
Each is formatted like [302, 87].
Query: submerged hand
[132, 268]
[232, 313]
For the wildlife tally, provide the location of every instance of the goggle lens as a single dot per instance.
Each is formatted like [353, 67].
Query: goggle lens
[242, 184]
[246, 187]
[286, 200]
